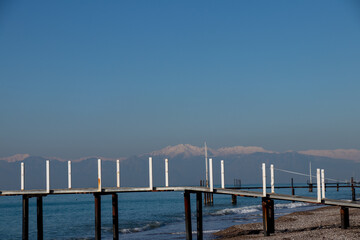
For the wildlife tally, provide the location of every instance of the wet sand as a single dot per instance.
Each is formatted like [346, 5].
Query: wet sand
[321, 223]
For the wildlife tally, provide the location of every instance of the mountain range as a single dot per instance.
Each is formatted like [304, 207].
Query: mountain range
[186, 167]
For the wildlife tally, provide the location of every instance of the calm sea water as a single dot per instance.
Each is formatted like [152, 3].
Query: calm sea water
[141, 215]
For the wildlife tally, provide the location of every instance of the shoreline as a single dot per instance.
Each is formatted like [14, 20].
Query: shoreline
[318, 223]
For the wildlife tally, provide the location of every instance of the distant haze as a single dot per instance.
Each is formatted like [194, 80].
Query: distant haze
[189, 150]
[186, 167]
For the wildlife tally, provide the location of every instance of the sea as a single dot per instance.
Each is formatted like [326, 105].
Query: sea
[155, 215]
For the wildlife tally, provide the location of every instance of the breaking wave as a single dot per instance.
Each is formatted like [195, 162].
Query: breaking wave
[146, 227]
[257, 208]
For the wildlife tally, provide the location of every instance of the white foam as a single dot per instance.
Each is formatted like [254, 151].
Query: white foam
[241, 210]
[141, 229]
[290, 205]
[257, 208]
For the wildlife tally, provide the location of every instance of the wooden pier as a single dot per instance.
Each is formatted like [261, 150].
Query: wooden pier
[267, 200]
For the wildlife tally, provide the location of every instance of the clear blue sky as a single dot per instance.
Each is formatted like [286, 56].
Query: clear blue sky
[117, 78]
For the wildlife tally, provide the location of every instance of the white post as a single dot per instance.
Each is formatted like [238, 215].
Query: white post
[211, 175]
[222, 174]
[272, 178]
[318, 186]
[206, 168]
[69, 174]
[118, 173]
[99, 175]
[264, 179]
[166, 172]
[323, 183]
[22, 177]
[47, 176]
[150, 174]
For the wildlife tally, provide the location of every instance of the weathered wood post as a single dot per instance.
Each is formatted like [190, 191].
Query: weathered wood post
[99, 176]
[264, 179]
[150, 174]
[39, 214]
[97, 197]
[25, 217]
[272, 178]
[353, 197]
[115, 216]
[118, 173]
[222, 174]
[199, 216]
[234, 199]
[22, 177]
[69, 174]
[292, 188]
[187, 206]
[318, 185]
[166, 172]
[268, 216]
[344, 213]
[48, 176]
[337, 187]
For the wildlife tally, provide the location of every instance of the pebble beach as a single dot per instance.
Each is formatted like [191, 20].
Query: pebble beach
[321, 223]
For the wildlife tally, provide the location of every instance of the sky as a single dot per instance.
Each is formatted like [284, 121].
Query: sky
[120, 78]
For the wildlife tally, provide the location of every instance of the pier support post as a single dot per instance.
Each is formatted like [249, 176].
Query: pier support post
[97, 216]
[353, 196]
[199, 216]
[310, 187]
[268, 216]
[115, 215]
[39, 203]
[25, 217]
[344, 213]
[187, 215]
[234, 199]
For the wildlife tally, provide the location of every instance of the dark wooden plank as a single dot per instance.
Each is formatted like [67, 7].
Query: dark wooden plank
[187, 215]
[97, 216]
[199, 216]
[115, 215]
[25, 217]
[39, 203]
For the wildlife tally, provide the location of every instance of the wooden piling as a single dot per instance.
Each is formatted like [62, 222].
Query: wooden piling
[353, 197]
[25, 217]
[39, 203]
[199, 216]
[310, 187]
[337, 187]
[234, 199]
[187, 215]
[292, 188]
[344, 213]
[97, 216]
[115, 216]
[268, 216]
